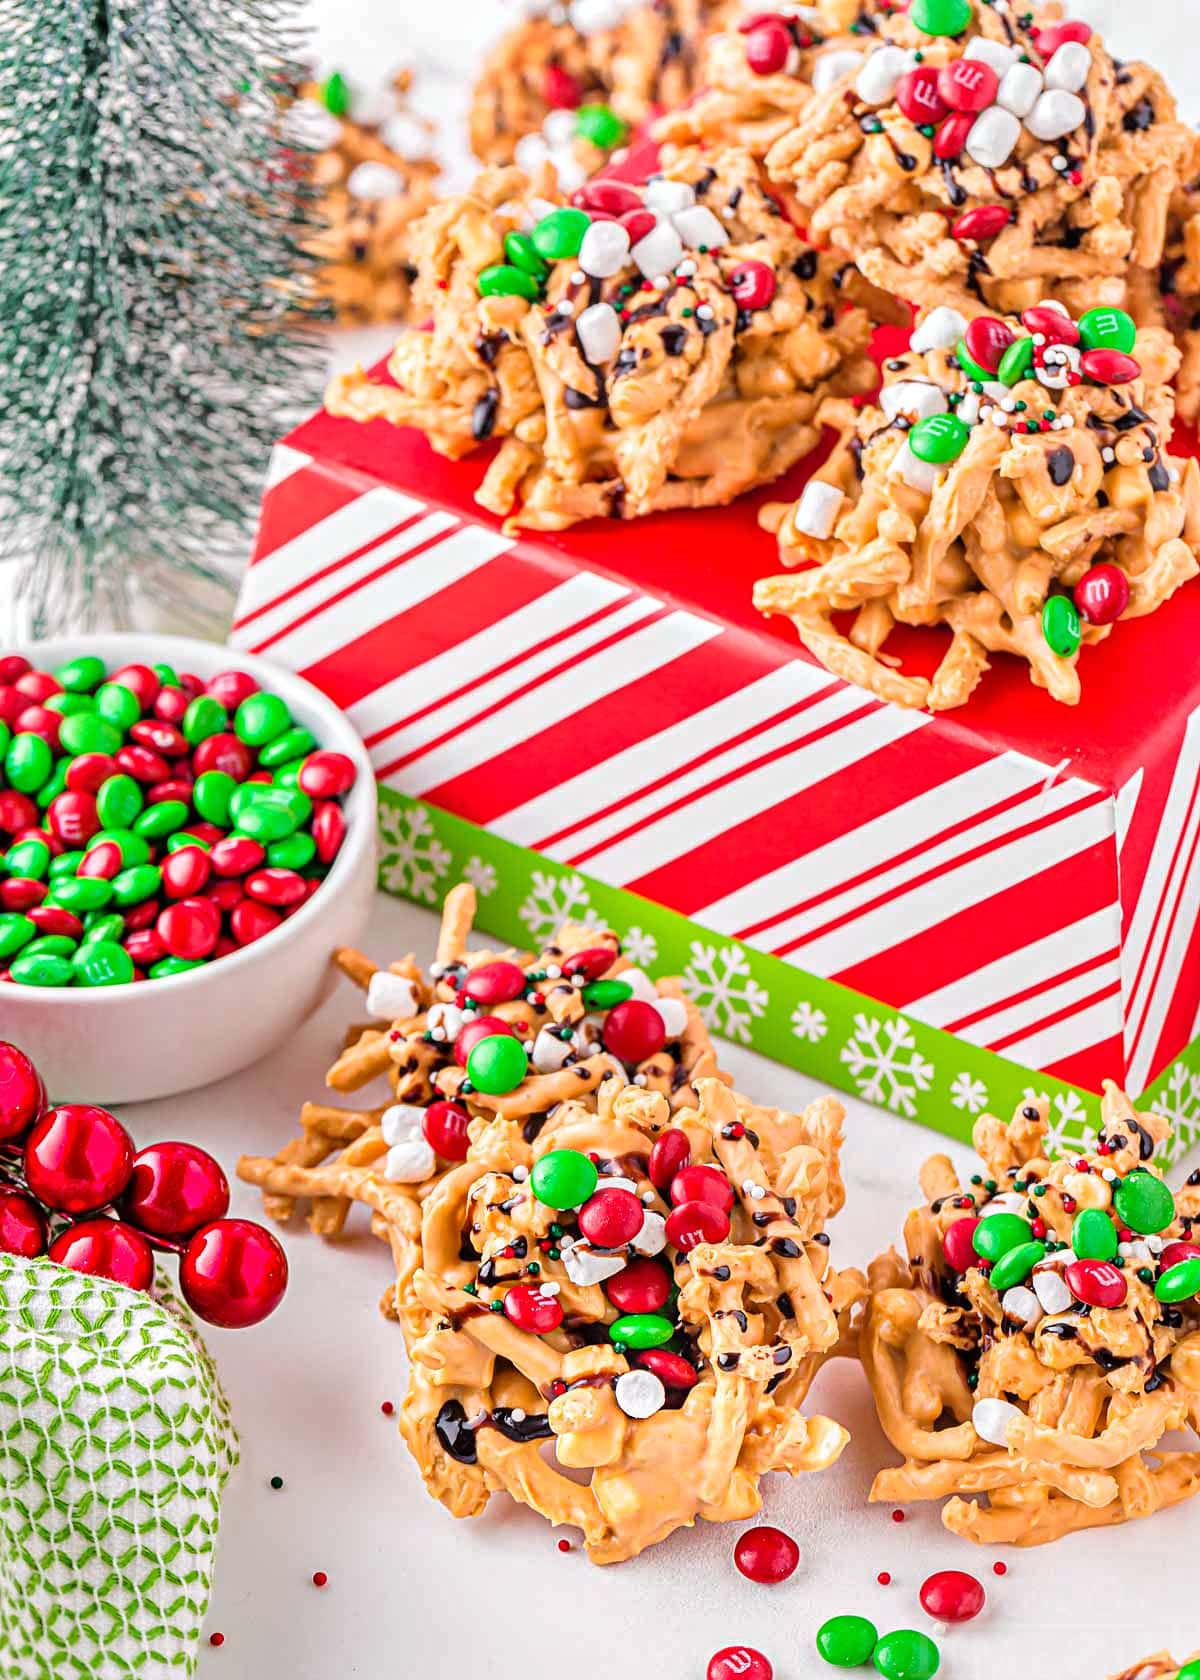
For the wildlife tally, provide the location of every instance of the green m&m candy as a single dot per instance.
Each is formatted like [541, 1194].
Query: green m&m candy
[167, 675]
[1060, 625]
[522, 253]
[847, 1641]
[118, 705]
[5, 738]
[1093, 1235]
[293, 743]
[564, 1178]
[1179, 1282]
[66, 863]
[166, 966]
[15, 932]
[67, 704]
[295, 852]
[606, 994]
[996, 1234]
[641, 1330]
[502, 280]
[1016, 1265]
[132, 847]
[102, 924]
[271, 815]
[28, 762]
[1190, 1670]
[204, 717]
[102, 962]
[160, 819]
[41, 971]
[600, 126]
[560, 234]
[939, 438]
[1016, 362]
[973, 369]
[80, 676]
[497, 1064]
[1144, 1202]
[906, 1655]
[940, 17]
[88, 732]
[30, 858]
[335, 94]
[50, 945]
[1107, 329]
[136, 884]
[50, 790]
[84, 892]
[118, 801]
[261, 718]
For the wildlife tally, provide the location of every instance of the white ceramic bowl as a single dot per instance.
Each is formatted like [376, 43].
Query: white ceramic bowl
[124, 1044]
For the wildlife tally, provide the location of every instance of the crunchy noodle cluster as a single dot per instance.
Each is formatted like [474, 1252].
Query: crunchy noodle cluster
[507, 1304]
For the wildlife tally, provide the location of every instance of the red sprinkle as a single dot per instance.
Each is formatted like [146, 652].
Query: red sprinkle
[884, 1579]
[999, 1569]
[564, 1545]
[320, 1578]
[387, 1408]
[216, 1639]
[897, 1516]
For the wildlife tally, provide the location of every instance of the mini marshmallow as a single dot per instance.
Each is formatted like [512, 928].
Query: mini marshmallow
[674, 1015]
[390, 997]
[615, 1182]
[640, 1393]
[659, 251]
[405, 135]
[993, 137]
[1022, 1304]
[1020, 87]
[1009, 1202]
[1056, 113]
[309, 124]
[409, 1162]
[1070, 67]
[665, 197]
[915, 399]
[968, 409]
[640, 983]
[530, 152]
[818, 508]
[590, 16]
[1057, 1262]
[993, 53]
[698, 226]
[549, 1052]
[652, 1238]
[832, 66]
[585, 1266]
[876, 81]
[992, 1419]
[400, 1122]
[559, 127]
[599, 333]
[940, 330]
[917, 474]
[1052, 1292]
[374, 181]
[445, 1022]
[605, 249]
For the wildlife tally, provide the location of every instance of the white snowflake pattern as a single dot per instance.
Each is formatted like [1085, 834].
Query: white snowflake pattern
[640, 947]
[885, 1064]
[1179, 1103]
[723, 989]
[969, 1093]
[1070, 1129]
[809, 1023]
[414, 861]
[554, 899]
[481, 875]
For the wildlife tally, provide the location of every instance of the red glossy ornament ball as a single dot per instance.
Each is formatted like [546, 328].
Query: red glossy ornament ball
[702, 1184]
[530, 1310]
[22, 1094]
[611, 1218]
[1102, 593]
[479, 1026]
[671, 1369]
[768, 47]
[445, 1128]
[739, 1662]
[634, 1031]
[78, 1158]
[643, 1287]
[494, 982]
[958, 1245]
[670, 1153]
[952, 1596]
[174, 1189]
[696, 1222]
[106, 1248]
[233, 1273]
[766, 1555]
[22, 1225]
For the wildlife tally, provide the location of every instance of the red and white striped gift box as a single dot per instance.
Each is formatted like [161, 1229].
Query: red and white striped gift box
[1021, 875]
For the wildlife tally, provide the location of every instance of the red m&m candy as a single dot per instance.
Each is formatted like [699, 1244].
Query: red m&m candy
[1110, 367]
[968, 84]
[951, 136]
[952, 1596]
[671, 1369]
[634, 1031]
[918, 96]
[560, 90]
[753, 284]
[1055, 326]
[1102, 593]
[987, 338]
[958, 1245]
[671, 1151]
[530, 1310]
[479, 1026]
[739, 1662]
[702, 1184]
[643, 1287]
[696, 1222]
[445, 1127]
[1097, 1282]
[768, 46]
[766, 1555]
[611, 1218]
[985, 221]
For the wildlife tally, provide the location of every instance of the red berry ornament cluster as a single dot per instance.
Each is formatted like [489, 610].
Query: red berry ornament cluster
[73, 1188]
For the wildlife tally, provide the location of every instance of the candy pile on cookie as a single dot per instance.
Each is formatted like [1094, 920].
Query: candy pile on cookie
[151, 822]
[662, 346]
[1162, 1667]
[1043, 1335]
[375, 175]
[1012, 481]
[597, 1243]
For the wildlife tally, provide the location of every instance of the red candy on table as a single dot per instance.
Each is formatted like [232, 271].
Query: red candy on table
[1052, 324]
[1096, 1282]
[952, 1596]
[951, 136]
[186, 872]
[77, 1158]
[249, 921]
[753, 284]
[53, 919]
[1102, 593]
[36, 720]
[230, 688]
[608, 198]
[37, 685]
[142, 763]
[1055, 35]
[671, 1369]
[634, 1031]
[986, 339]
[189, 928]
[638, 223]
[106, 1248]
[236, 855]
[589, 964]
[696, 1222]
[671, 1151]
[324, 775]
[958, 1245]
[739, 1662]
[766, 1555]
[328, 830]
[611, 1218]
[19, 892]
[141, 680]
[22, 1094]
[643, 1287]
[174, 1188]
[491, 983]
[479, 1026]
[1110, 367]
[23, 1229]
[768, 47]
[280, 887]
[985, 221]
[233, 1273]
[530, 1310]
[445, 1127]
[223, 752]
[702, 1184]
[967, 84]
[918, 96]
[102, 862]
[88, 772]
[17, 811]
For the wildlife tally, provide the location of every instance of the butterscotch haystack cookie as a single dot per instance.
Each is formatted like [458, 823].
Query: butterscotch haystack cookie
[1180, 279]
[1011, 481]
[374, 180]
[560, 1155]
[981, 154]
[1043, 1335]
[1162, 1667]
[580, 76]
[673, 358]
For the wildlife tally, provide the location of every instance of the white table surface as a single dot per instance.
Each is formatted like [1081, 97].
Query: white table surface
[414, 1593]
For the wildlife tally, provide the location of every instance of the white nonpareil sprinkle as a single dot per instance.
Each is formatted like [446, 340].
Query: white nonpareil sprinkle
[1052, 1292]
[1070, 67]
[605, 249]
[876, 81]
[639, 1079]
[390, 997]
[940, 330]
[915, 399]
[1023, 1304]
[1056, 113]
[698, 226]
[673, 1014]
[992, 1419]
[818, 508]
[993, 137]
[756, 1192]
[1109, 1174]
[660, 249]
[518, 1414]
[520, 1174]
[832, 66]
[553, 972]
[1061, 164]
[706, 311]
[550, 1289]
[1020, 88]
[652, 1238]
[665, 197]
[640, 1394]
[409, 1162]
[374, 181]
[599, 331]
[400, 1122]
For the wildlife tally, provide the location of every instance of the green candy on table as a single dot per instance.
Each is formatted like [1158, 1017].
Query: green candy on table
[50, 790]
[641, 1330]
[28, 858]
[80, 676]
[82, 892]
[606, 994]
[1180, 1282]
[102, 925]
[66, 863]
[295, 852]
[204, 717]
[41, 971]
[940, 17]
[295, 742]
[164, 818]
[28, 762]
[136, 884]
[102, 962]
[335, 94]
[497, 1065]
[998, 1232]
[560, 233]
[167, 675]
[68, 705]
[973, 369]
[565, 1178]
[906, 1655]
[211, 796]
[521, 252]
[1144, 1202]
[1107, 329]
[118, 705]
[1189, 1671]
[51, 945]
[1016, 362]
[939, 439]
[261, 718]
[1060, 625]
[600, 126]
[847, 1641]
[502, 280]
[1093, 1235]
[266, 821]
[119, 799]
[15, 932]
[1016, 1265]
[88, 732]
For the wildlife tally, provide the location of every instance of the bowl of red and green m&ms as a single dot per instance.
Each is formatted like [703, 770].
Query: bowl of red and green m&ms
[186, 833]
